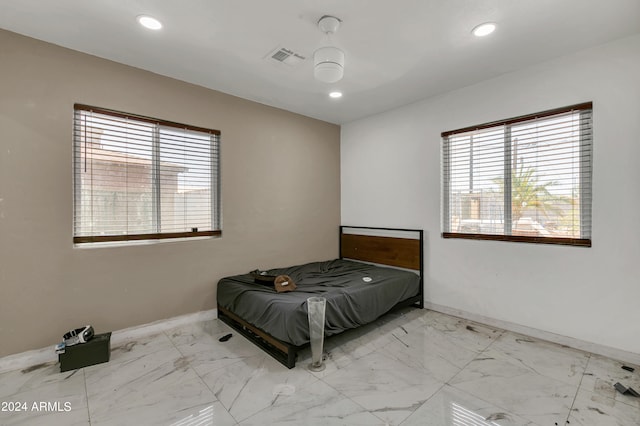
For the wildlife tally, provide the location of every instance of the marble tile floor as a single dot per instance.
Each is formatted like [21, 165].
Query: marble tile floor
[412, 367]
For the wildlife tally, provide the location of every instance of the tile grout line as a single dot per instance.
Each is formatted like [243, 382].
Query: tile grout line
[346, 397]
[476, 357]
[364, 409]
[578, 389]
[342, 395]
[317, 379]
[86, 394]
[502, 332]
[165, 332]
[579, 384]
[446, 383]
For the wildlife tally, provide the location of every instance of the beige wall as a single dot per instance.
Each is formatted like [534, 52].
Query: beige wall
[280, 196]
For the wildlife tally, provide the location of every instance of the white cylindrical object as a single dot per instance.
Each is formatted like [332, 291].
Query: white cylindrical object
[315, 312]
[328, 64]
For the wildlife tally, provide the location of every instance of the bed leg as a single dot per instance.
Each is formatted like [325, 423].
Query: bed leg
[291, 358]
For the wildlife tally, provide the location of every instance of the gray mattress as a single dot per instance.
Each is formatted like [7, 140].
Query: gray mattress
[351, 302]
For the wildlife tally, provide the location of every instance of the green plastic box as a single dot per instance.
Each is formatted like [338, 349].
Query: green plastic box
[95, 351]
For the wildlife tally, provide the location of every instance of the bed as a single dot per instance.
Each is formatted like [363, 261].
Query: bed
[379, 270]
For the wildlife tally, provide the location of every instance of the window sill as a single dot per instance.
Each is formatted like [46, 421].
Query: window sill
[108, 244]
[580, 242]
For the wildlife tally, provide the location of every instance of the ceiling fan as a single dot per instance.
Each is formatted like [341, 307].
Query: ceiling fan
[328, 61]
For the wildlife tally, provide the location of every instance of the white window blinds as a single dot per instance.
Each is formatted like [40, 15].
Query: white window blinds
[137, 178]
[525, 179]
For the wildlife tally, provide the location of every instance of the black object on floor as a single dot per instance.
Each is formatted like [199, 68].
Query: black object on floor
[225, 337]
[95, 351]
[626, 391]
[631, 369]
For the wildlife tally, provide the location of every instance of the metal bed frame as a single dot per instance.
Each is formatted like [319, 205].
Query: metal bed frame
[358, 245]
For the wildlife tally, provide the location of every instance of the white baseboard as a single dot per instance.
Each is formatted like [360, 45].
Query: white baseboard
[609, 352]
[45, 355]
[161, 325]
[27, 359]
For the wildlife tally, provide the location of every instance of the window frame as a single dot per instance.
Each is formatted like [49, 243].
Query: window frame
[585, 210]
[215, 199]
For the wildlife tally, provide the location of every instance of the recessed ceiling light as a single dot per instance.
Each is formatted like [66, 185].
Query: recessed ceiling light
[484, 29]
[335, 95]
[149, 22]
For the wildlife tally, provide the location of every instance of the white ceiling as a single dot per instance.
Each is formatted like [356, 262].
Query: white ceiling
[397, 52]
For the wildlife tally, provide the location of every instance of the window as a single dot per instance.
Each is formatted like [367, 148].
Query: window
[525, 179]
[137, 178]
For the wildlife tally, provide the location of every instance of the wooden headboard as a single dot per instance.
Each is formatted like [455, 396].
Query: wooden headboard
[401, 248]
[361, 243]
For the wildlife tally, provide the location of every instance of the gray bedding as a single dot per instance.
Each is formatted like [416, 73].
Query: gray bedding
[351, 302]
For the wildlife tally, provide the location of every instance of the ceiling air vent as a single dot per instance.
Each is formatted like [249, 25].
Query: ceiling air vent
[285, 56]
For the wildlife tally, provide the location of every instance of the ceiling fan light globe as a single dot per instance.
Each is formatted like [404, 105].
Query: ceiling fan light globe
[328, 64]
[328, 72]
